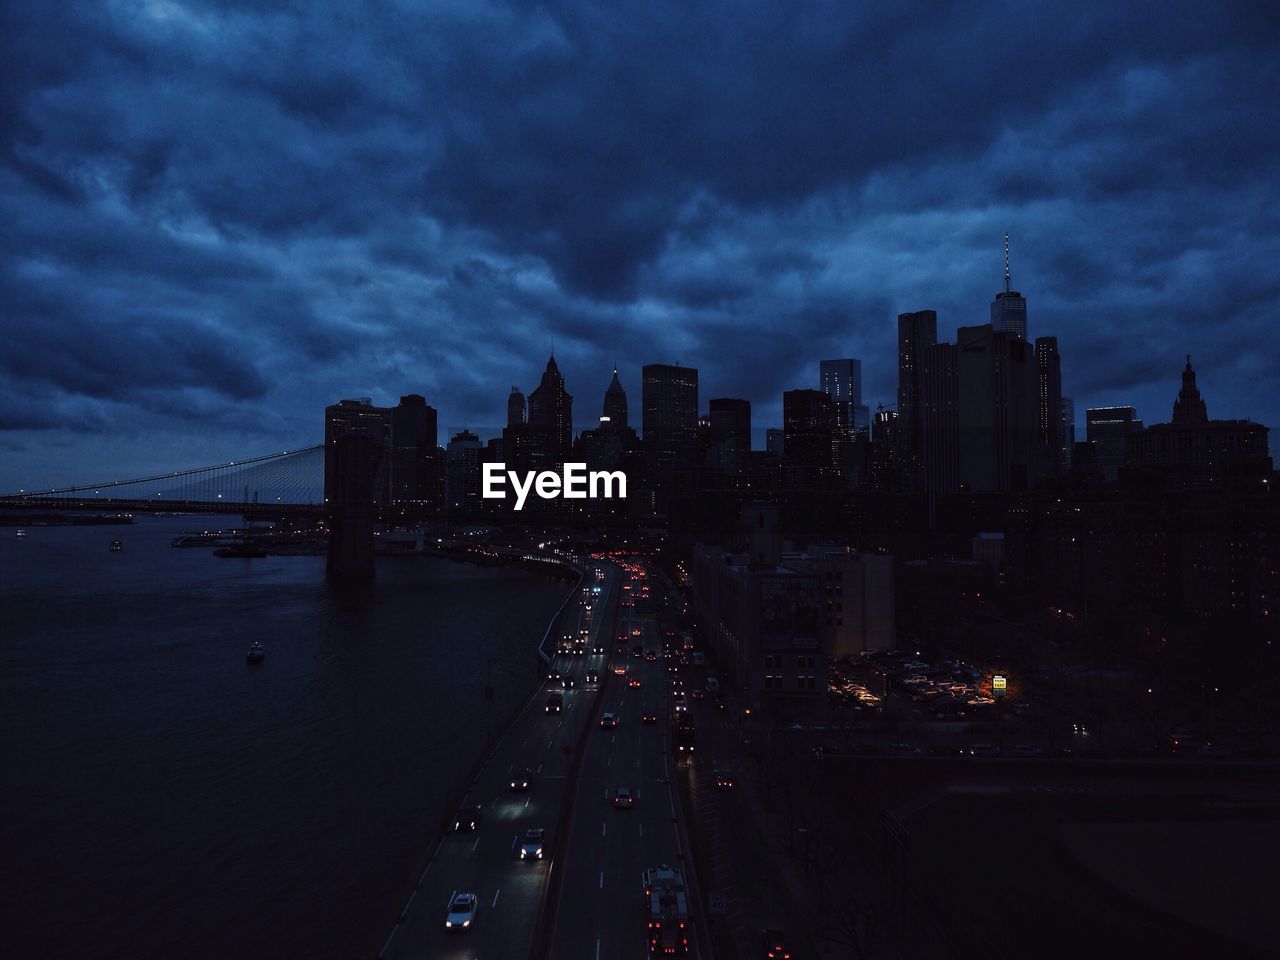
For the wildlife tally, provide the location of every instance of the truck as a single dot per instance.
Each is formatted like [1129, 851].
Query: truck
[667, 911]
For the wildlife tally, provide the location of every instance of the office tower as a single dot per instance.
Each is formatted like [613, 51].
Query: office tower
[356, 418]
[773, 442]
[603, 447]
[884, 428]
[516, 416]
[1107, 431]
[1067, 434]
[940, 418]
[414, 475]
[615, 403]
[551, 416]
[729, 433]
[670, 414]
[1049, 416]
[841, 380]
[1009, 308]
[916, 333]
[1189, 407]
[999, 412]
[462, 473]
[809, 429]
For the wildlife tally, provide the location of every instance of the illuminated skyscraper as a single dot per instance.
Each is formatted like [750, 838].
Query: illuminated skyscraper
[841, 380]
[1009, 308]
[670, 415]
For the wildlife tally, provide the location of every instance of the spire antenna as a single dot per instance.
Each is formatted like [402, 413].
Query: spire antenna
[1006, 261]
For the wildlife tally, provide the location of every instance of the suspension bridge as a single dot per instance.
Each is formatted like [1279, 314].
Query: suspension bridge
[288, 483]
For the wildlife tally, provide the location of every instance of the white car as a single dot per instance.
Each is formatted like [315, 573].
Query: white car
[531, 849]
[462, 912]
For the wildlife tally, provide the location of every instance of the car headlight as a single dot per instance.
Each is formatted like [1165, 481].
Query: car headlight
[521, 854]
[466, 923]
[448, 923]
[539, 853]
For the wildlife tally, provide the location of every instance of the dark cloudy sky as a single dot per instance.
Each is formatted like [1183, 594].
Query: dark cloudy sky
[219, 217]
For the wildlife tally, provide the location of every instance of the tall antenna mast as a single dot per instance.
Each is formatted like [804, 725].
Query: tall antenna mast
[1006, 261]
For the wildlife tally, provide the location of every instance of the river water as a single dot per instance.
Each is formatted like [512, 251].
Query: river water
[161, 798]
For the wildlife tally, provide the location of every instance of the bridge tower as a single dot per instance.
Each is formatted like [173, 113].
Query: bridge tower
[352, 510]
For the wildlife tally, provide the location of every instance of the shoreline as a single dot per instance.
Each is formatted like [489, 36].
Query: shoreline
[443, 830]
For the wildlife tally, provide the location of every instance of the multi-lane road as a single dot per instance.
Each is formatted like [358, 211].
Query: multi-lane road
[594, 907]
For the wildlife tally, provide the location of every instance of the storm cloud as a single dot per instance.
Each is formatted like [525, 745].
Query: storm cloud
[220, 217]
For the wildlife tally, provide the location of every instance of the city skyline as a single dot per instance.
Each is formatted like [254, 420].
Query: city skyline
[196, 266]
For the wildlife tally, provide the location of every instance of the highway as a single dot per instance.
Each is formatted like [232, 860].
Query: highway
[605, 849]
[601, 906]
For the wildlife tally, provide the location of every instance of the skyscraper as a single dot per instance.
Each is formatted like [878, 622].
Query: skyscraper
[414, 463]
[730, 433]
[916, 333]
[1009, 308]
[462, 477]
[516, 416]
[841, 380]
[615, 403]
[1189, 407]
[551, 413]
[1107, 431]
[357, 417]
[999, 411]
[1049, 395]
[809, 429]
[1067, 434]
[940, 418]
[670, 413]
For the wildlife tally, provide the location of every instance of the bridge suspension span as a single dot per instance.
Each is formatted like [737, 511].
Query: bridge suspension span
[287, 478]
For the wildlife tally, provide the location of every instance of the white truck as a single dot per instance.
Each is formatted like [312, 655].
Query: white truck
[667, 911]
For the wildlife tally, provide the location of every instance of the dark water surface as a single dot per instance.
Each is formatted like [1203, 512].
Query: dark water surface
[160, 798]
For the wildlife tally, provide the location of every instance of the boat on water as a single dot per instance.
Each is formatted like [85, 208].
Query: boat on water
[241, 548]
[256, 654]
[116, 546]
[205, 538]
[20, 534]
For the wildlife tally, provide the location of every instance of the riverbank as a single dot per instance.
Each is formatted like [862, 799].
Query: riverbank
[545, 651]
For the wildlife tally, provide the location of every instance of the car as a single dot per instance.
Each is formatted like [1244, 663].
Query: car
[650, 656]
[468, 819]
[698, 694]
[568, 681]
[608, 720]
[531, 846]
[633, 682]
[620, 671]
[649, 718]
[554, 703]
[520, 780]
[554, 674]
[623, 798]
[593, 676]
[984, 750]
[773, 944]
[723, 780]
[462, 912]
[598, 648]
[637, 651]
